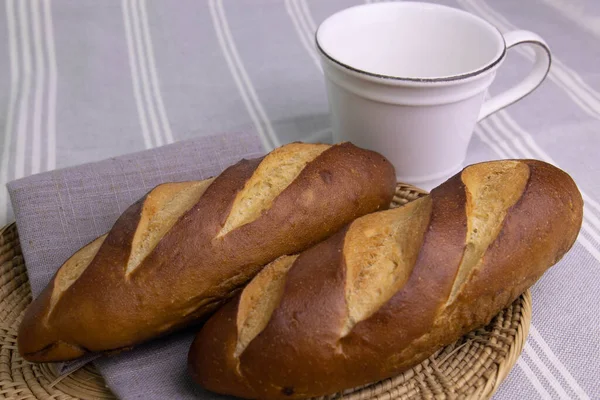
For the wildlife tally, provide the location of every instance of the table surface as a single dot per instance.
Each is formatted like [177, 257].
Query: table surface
[83, 80]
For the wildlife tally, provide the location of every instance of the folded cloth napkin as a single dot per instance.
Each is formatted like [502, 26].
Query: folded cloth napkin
[58, 212]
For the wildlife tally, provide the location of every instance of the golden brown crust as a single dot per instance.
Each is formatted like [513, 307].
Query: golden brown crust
[191, 270]
[380, 251]
[302, 353]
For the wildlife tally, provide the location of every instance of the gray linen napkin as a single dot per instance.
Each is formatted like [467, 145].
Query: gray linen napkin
[58, 212]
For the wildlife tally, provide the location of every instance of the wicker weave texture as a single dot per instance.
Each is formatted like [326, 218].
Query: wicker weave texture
[472, 367]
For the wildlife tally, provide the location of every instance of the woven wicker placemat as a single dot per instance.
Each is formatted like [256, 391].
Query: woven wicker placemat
[472, 367]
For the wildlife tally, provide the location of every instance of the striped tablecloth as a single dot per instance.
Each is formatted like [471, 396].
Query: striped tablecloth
[84, 80]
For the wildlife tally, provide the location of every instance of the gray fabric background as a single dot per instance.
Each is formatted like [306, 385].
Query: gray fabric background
[83, 80]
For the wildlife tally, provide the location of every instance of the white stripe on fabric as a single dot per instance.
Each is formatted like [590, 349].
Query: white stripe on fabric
[237, 79]
[495, 137]
[505, 136]
[25, 91]
[479, 132]
[307, 24]
[36, 158]
[306, 33]
[588, 245]
[577, 14]
[563, 75]
[305, 11]
[12, 103]
[145, 82]
[52, 86]
[535, 359]
[135, 79]
[595, 205]
[567, 79]
[318, 136]
[533, 379]
[533, 333]
[308, 45]
[233, 63]
[245, 78]
[155, 84]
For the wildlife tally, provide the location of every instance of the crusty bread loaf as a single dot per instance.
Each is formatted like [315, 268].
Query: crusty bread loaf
[392, 287]
[183, 249]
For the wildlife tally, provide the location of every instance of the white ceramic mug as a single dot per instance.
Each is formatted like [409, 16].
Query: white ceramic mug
[408, 80]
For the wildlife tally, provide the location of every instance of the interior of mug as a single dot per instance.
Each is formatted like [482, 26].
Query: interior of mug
[410, 40]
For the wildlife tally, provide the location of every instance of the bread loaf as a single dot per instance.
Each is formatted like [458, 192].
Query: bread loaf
[183, 249]
[392, 287]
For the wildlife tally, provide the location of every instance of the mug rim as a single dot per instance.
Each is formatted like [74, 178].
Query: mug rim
[447, 78]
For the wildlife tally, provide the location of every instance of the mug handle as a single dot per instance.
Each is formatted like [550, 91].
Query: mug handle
[541, 67]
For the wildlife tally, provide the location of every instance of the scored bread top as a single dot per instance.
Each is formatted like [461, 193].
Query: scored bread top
[276, 172]
[72, 269]
[162, 208]
[258, 300]
[380, 251]
[491, 190]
